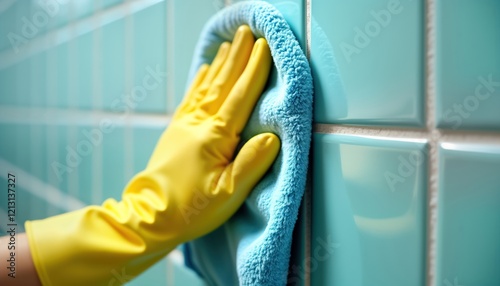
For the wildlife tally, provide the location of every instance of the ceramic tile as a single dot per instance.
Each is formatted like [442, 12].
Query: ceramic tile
[38, 157]
[38, 80]
[113, 163]
[112, 63]
[468, 215]
[368, 211]
[149, 89]
[186, 31]
[22, 90]
[78, 146]
[21, 26]
[8, 86]
[86, 133]
[9, 24]
[8, 146]
[22, 148]
[182, 275]
[367, 61]
[153, 276]
[468, 64]
[57, 150]
[56, 172]
[83, 83]
[145, 139]
[57, 77]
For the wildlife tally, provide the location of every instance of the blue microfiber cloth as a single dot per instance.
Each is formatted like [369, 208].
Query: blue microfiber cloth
[253, 247]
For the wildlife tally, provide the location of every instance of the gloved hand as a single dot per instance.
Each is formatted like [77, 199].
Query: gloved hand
[190, 186]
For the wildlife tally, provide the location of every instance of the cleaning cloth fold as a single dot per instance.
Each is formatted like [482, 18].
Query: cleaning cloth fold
[253, 247]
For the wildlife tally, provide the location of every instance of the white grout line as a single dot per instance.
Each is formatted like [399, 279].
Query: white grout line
[40, 189]
[374, 131]
[405, 134]
[307, 8]
[75, 117]
[8, 57]
[432, 171]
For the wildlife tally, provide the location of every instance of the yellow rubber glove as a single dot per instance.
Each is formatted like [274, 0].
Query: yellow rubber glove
[191, 185]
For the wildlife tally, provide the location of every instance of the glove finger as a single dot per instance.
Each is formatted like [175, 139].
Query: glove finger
[212, 72]
[241, 48]
[189, 98]
[249, 166]
[242, 98]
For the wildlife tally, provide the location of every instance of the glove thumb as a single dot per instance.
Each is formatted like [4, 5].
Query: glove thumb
[251, 163]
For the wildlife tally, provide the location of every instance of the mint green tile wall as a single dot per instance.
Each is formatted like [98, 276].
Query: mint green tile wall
[8, 17]
[8, 86]
[468, 64]
[8, 147]
[422, 72]
[64, 80]
[469, 215]
[82, 81]
[82, 172]
[368, 211]
[38, 80]
[364, 53]
[184, 36]
[61, 76]
[145, 139]
[111, 61]
[149, 53]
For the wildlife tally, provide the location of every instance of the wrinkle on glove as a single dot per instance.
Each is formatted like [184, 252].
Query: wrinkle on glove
[253, 247]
